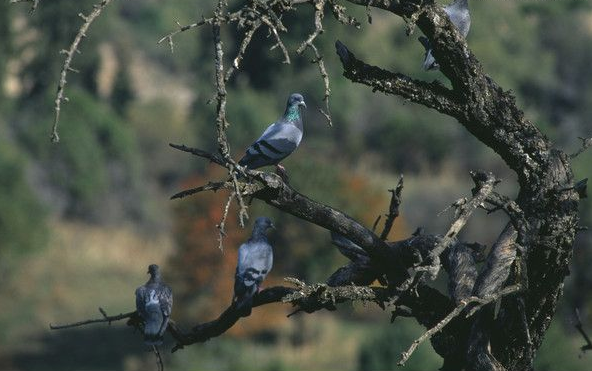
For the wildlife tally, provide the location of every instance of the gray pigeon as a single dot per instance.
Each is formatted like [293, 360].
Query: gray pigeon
[458, 12]
[154, 302]
[255, 258]
[279, 140]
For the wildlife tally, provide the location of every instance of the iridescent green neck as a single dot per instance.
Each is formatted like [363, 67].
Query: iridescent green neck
[292, 113]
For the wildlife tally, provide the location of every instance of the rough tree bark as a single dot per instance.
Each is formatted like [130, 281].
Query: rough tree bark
[547, 199]
[524, 269]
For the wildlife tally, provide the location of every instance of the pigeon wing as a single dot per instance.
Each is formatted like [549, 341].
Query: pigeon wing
[277, 142]
[141, 300]
[165, 297]
[255, 260]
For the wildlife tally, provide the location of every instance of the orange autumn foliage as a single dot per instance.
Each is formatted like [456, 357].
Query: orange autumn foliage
[203, 273]
[370, 203]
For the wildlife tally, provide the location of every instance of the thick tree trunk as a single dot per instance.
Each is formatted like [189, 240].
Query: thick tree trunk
[533, 251]
[546, 215]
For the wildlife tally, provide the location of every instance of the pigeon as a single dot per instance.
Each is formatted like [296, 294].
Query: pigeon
[279, 140]
[154, 302]
[458, 12]
[255, 258]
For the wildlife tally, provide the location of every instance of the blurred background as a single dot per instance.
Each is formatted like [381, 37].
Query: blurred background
[81, 220]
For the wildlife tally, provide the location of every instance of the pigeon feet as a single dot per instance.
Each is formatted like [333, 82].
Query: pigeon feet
[281, 171]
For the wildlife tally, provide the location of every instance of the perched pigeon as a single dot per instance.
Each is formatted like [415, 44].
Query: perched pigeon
[255, 258]
[154, 302]
[279, 140]
[458, 12]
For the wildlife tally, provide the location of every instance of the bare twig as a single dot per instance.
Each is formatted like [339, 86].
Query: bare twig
[580, 328]
[97, 9]
[221, 121]
[514, 212]
[484, 183]
[393, 209]
[228, 18]
[325, 76]
[34, 3]
[241, 51]
[339, 14]
[375, 224]
[586, 143]
[279, 43]
[319, 6]
[211, 186]
[459, 308]
[213, 157]
[159, 363]
[105, 318]
[242, 207]
[222, 225]
[318, 59]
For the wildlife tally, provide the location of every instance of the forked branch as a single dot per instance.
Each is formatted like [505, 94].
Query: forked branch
[480, 302]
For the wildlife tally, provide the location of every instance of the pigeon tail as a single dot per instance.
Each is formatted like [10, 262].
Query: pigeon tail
[256, 161]
[153, 325]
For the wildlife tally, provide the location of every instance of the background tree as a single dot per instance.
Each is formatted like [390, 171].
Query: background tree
[317, 138]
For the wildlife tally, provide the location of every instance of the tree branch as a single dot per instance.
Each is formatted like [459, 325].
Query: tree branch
[213, 157]
[105, 318]
[458, 310]
[34, 4]
[228, 18]
[308, 298]
[393, 209]
[580, 328]
[586, 143]
[97, 9]
[211, 186]
[432, 95]
[476, 101]
[484, 183]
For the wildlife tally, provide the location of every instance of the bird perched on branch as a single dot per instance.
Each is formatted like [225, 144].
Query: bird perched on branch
[458, 12]
[279, 140]
[255, 258]
[154, 302]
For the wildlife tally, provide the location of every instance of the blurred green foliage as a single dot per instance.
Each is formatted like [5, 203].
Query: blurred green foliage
[6, 45]
[97, 158]
[565, 354]
[23, 222]
[382, 350]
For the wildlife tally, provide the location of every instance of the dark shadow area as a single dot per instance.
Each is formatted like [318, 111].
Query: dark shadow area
[81, 349]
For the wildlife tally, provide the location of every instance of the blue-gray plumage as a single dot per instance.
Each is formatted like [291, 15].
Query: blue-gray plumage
[255, 259]
[280, 139]
[459, 15]
[154, 302]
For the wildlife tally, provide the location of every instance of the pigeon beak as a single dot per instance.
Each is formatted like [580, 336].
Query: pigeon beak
[302, 104]
[272, 226]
